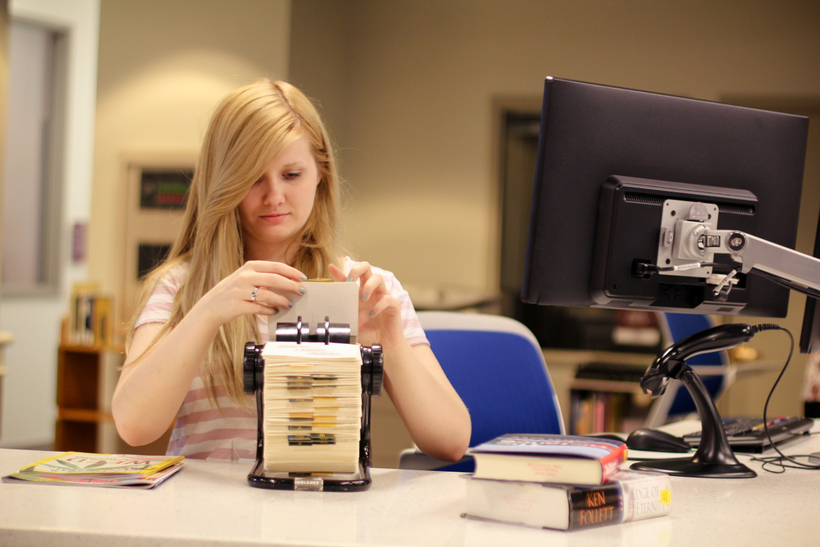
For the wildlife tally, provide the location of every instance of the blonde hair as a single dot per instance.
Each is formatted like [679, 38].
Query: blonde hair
[247, 131]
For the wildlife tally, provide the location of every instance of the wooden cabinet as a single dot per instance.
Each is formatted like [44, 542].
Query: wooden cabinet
[86, 378]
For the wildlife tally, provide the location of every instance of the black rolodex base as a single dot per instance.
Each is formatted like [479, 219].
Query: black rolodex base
[311, 482]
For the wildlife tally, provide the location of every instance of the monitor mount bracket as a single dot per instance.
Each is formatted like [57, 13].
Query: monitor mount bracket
[690, 240]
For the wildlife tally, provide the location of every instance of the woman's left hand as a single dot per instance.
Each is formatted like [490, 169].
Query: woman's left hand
[435, 416]
[379, 313]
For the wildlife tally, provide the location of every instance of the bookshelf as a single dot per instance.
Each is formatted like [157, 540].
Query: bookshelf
[596, 405]
[606, 407]
[86, 379]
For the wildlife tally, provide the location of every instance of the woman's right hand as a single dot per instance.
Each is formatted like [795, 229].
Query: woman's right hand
[259, 287]
[160, 365]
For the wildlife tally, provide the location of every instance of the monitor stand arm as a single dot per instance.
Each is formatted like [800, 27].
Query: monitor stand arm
[793, 269]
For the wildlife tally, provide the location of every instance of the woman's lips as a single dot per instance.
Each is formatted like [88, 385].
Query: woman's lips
[274, 217]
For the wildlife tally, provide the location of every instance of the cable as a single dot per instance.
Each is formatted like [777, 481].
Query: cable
[692, 266]
[775, 460]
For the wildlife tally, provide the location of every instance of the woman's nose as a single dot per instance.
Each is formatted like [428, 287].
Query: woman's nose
[273, 191]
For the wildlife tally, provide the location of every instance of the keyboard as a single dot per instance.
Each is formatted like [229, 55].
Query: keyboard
[747, 434]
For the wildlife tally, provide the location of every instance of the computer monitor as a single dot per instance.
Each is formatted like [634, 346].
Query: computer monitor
[662, 203]
[616, 166]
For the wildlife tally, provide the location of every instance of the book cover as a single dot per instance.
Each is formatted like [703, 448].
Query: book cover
[100, 480]
[545, 458]
[83, 465]
[627, 496]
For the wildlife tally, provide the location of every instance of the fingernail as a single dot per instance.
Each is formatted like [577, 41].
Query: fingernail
[302, 290]
[350, 278]
[372, 313]
[304, 277]
[290, 304]
[364, 296]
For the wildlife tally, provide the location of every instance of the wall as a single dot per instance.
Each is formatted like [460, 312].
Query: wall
[408, 90]
[29, 390]
[164, 65]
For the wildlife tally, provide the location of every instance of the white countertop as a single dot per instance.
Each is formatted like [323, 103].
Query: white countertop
[211, 504]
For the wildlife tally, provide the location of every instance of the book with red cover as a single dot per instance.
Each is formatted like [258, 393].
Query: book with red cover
[560, 459]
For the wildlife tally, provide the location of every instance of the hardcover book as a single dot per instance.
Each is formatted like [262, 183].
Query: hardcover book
[628, 496]
[544, 458]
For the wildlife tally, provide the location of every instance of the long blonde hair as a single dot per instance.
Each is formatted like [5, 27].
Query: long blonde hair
[247, 131]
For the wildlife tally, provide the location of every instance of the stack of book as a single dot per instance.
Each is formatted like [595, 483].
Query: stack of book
[561, 482]
[91, 316]
[312, 407]
[111, 470]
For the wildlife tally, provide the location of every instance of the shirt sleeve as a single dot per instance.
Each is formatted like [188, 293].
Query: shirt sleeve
[160, 304]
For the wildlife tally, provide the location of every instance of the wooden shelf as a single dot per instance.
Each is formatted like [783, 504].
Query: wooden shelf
[612, 386]
[86, 378]
[83, 415]
[74, 348]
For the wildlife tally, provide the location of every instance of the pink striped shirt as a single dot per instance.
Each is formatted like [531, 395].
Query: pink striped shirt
[203, 430]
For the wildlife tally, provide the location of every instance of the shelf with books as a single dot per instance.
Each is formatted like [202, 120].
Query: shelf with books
[566, 368]
[607, 409]
[607, 397]
[91, 317]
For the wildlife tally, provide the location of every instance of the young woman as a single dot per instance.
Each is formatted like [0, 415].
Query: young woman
[261, 219]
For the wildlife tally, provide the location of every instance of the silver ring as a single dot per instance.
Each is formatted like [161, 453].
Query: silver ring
[254, 293]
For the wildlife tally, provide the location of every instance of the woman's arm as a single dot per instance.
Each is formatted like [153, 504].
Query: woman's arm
[156, 376]
[434, 414]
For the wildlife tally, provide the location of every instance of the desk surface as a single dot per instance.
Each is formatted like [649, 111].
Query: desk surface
[211, 504]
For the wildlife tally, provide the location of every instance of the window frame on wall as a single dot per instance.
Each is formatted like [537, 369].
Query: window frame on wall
[154, 206]
[33, 245]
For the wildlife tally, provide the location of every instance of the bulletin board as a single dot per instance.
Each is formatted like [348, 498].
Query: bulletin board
[157, 191]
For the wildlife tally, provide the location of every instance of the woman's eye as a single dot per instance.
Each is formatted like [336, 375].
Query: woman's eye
[290, 175]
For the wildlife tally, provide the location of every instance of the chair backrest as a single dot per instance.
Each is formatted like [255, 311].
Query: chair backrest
[497, 367]
[676, 327]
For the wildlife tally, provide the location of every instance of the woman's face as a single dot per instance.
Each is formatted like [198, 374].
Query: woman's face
[278, 205]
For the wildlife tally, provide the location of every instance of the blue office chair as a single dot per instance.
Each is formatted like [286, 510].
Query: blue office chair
[497, 367]
[714, 369]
